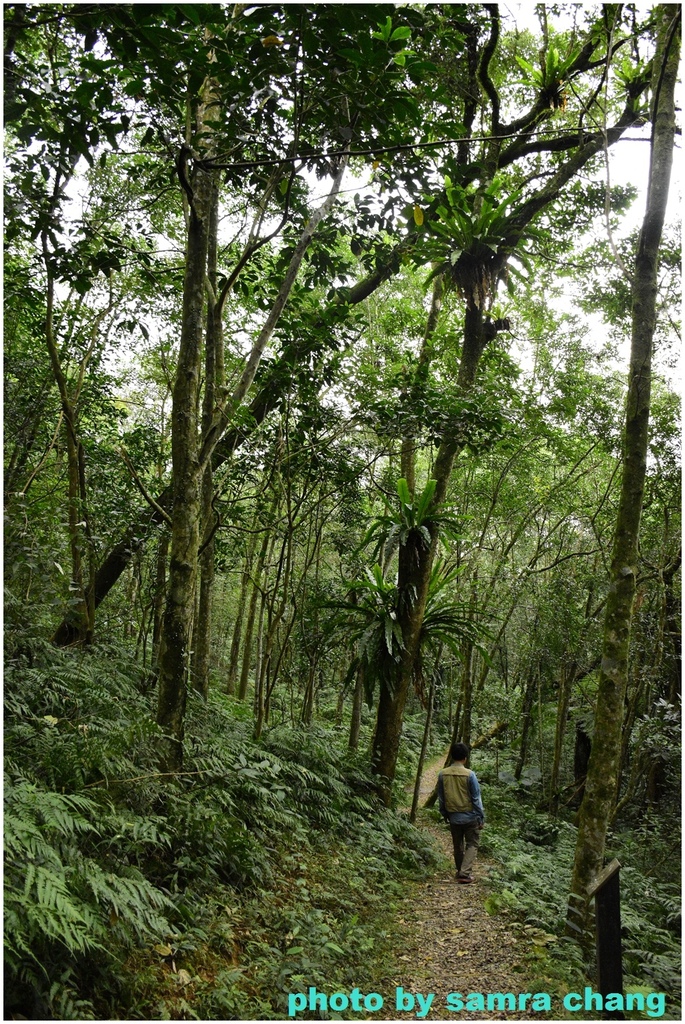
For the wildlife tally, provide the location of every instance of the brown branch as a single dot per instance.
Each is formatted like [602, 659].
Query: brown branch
[328, 155]
[564, 558]
[484, 66]
[162, 513]
[44, 456]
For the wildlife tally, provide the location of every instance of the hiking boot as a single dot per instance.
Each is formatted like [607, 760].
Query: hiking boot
[464, 879]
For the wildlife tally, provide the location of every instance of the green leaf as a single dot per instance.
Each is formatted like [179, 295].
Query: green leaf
[403, 491]
[191, 12]
[403, 32]
[425, 499]
[551, 65]
[388, 635]
[525, 65]
[378, 576]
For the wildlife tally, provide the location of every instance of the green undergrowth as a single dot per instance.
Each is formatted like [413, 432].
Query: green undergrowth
[533, 853]
[263, 869]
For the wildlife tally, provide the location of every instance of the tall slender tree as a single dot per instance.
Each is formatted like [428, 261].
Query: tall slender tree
[602, 777]
[481, 231]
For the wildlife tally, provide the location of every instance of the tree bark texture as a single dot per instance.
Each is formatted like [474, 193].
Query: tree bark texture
[267, 539]
[214, 362]
[600, 789]
[466, 696]
[160, 595]
[422, 755]
[234, 655]
[180, 603]
[566, 681]
[526, 721]
[356, 718]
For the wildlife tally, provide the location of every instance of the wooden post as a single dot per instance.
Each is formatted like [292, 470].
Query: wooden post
[607, 894]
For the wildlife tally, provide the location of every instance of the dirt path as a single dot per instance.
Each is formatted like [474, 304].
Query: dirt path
[453, 944]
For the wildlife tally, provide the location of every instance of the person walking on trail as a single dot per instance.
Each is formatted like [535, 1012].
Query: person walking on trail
[462, 807]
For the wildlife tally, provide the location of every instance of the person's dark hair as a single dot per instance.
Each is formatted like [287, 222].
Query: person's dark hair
[459, 752]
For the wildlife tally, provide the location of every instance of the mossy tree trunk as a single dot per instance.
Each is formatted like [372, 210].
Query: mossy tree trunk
[185, 517]
[160, 594]
[214, 366]
[600, 790]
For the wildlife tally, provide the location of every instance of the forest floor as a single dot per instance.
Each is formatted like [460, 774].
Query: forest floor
[452, 943]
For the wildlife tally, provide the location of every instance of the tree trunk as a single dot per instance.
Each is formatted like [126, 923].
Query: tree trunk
[78, 625]
[415, 564]
[214, 363]
[466, 695]
[356, 719]
[275, 664]
[240, 615]
[308, 696]
[422, 755]
[600, 789]
[259, 672]
[252, 611]
[185, 540]
[526, 717]
[566, 680]
[581, 759]
[672, 634]
[274, 618]
[160, 595]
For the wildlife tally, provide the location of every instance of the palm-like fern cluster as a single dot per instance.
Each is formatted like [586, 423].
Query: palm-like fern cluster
[371, 618]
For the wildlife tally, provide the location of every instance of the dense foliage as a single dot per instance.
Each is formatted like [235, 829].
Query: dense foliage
[531, 881]
[263, 862]
[315, 341]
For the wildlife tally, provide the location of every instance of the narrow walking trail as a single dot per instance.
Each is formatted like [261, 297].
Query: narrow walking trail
[453, 944]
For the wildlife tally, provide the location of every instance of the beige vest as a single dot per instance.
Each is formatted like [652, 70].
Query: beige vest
[455, 782]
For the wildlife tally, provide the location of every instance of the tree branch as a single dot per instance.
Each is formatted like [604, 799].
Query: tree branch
[484, 66]
[224, 412]
[161, 512]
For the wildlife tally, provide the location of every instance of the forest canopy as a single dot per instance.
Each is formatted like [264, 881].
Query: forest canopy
[340, 424]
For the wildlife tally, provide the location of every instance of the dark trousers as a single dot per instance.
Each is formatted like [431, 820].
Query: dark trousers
[465, 840]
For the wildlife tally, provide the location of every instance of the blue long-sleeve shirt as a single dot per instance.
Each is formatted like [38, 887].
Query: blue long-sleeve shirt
[463, 817]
